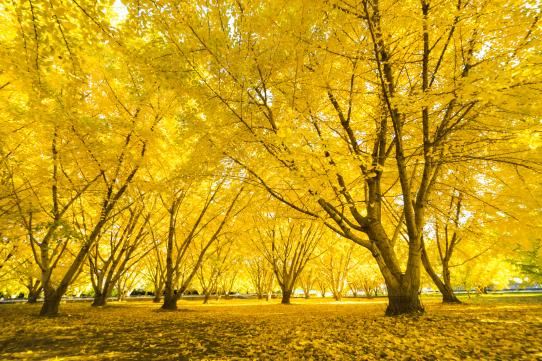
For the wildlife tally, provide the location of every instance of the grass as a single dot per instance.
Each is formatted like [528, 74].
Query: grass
[488, 327]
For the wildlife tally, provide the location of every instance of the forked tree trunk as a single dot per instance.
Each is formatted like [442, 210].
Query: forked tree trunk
[403, 300]
[32, 298]
[51, 304]
[100, 299]
[170, 301]
[368, 291]
[286, 295]
[33, 295]
[403, 288]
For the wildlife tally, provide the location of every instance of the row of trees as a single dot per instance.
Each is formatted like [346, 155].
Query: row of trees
[145, 133]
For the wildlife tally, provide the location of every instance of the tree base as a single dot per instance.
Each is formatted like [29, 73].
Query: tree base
[169, 304]
[50, 307]
[286, 297]
[452, 300]
[404, 305]
[99, 301]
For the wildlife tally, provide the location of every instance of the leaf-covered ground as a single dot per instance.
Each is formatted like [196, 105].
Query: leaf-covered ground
[494, 328]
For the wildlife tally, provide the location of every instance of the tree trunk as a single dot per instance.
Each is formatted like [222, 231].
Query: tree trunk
[33, 295]
[450, 295]
[403, 300]
[100, 299]
[446, 290]
[260, 296]
[51, 303]
[268, 296]
[170, 301]
[403, 287]
[206, 298]
[32, 298]
[286, 297]
[157, 297]
[338, 297]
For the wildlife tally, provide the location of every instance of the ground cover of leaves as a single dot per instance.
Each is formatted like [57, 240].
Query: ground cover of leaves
[493, 328]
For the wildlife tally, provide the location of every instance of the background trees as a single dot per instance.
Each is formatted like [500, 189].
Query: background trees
[287, 244]
[400, 127]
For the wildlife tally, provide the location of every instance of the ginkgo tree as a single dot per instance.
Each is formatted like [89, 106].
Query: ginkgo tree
[365, 117]
[358, 108]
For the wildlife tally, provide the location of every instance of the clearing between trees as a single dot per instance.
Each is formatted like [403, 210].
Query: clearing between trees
[487, 327]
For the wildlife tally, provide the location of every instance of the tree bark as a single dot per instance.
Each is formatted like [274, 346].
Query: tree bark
[403, 300]
[100, 299]
[403, 288]
[206, 298]
[33, 295]
[445, 286]
[51, 304]
[286, 294]
[170, 301]
[32, 298]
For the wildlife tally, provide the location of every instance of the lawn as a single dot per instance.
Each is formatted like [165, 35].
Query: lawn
[492, 327]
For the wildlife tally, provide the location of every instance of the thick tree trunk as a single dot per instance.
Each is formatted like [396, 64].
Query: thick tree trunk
[338, 297]
[51, 304]
[403, 287]
[170, 301]
[100, 299]
[403, 300]
[286, 294]
[206, 298]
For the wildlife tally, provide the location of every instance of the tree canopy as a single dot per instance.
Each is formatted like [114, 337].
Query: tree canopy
[374, 140]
